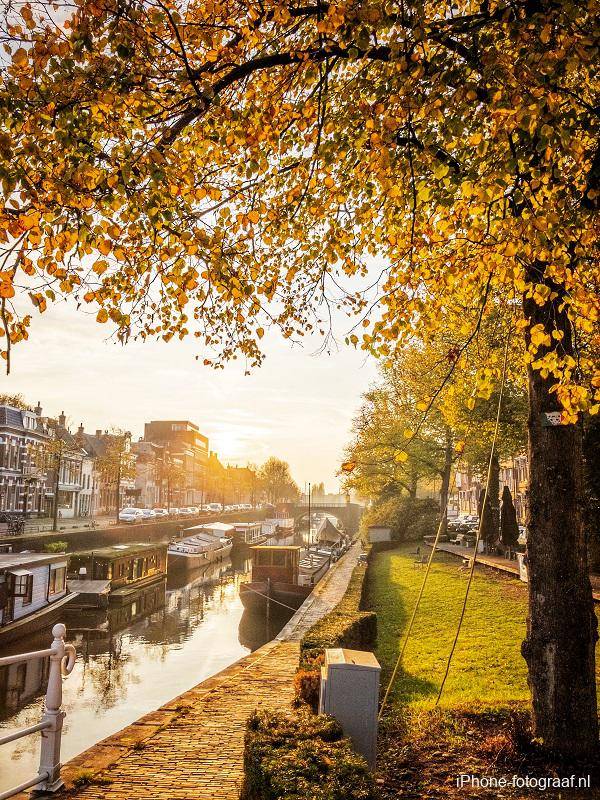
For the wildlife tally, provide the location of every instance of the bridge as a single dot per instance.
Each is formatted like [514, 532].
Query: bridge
[348, 513]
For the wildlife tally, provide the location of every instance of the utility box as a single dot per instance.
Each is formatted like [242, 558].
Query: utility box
[350, 694]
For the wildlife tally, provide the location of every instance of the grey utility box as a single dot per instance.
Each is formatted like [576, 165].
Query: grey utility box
[350, 693]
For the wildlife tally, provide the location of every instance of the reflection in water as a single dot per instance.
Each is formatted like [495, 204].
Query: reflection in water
[131, 659]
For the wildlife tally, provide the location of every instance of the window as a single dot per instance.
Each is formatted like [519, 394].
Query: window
[279, 559]
[23, 587]
[57, 580]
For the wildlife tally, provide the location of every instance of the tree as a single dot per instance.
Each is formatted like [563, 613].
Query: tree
[15, 401]
[509, 528]
[116, 463]
[294, 145]
[50, 457]
[276, 481]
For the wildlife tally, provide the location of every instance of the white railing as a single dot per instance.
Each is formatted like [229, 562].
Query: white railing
[62, 661]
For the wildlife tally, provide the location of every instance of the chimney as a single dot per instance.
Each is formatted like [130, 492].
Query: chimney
[62, 419]
[98, 433]
[80, 429]
[38, 409]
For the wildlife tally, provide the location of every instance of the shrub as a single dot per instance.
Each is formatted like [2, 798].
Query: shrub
[346, 626]
[409, 519]
[56, 547]
[301, 757]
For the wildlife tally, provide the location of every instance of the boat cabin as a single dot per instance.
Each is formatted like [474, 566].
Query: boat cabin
[121, 564]
[31, 584]
[276, 563]
[248, 532]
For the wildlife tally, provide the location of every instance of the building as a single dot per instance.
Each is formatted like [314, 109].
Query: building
[514, 473]
[113, 470]
[23, 436]
[75, 484]
[151, 482]
[186, 449]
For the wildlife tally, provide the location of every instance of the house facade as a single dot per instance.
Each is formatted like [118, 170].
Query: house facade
[23, 487]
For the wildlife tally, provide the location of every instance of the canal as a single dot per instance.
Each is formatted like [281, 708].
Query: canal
[131, 660]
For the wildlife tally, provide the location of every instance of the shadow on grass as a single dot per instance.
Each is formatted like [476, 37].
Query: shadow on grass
[393, 616]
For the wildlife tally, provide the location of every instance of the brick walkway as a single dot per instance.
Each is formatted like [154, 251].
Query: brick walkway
[191, 748]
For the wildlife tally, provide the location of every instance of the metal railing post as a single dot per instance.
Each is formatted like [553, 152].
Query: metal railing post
[62, 662]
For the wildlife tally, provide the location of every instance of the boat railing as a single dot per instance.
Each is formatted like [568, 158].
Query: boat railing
[62, 660]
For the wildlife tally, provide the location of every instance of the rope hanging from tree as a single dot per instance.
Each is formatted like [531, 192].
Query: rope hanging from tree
[443, 516]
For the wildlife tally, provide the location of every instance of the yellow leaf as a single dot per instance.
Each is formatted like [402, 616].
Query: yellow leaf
[102, 315]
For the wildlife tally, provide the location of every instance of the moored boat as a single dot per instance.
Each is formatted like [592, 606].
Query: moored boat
[203, 545]
[285, 574]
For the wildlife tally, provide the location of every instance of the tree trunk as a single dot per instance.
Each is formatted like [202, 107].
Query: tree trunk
[561, 626]
[56, 485]
[118, 498]
[445, 485]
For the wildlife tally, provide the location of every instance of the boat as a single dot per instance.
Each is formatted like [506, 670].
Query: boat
[114, 574]
[285, 574]
[202, 545]
[249, 533]
[33, 593]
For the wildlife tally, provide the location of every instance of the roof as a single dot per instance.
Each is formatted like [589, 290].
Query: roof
[11, 417]
[9, 561]
[211, 526]
[119, 550]
[276, 547]
[88, 587]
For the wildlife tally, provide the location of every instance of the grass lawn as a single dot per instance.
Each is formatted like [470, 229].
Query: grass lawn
[487, 665]
[482, 724]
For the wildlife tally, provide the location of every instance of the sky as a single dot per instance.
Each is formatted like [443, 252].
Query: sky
[298, 406]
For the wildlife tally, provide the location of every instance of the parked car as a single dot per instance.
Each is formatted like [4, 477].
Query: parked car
[130, 515]
[160, 512]
[245, 507]
[173, 512]
[146, 513]
[214, 508]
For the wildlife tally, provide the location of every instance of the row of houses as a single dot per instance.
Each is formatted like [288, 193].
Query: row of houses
[46, 468]
[514, 473]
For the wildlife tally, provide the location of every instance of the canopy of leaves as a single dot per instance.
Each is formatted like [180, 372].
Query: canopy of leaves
[217, 167]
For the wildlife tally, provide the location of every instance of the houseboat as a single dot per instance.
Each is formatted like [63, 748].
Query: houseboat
[114, 574]
[249, 533]
[33, 592]
[279, 530]
[277, 575]
[202, 545]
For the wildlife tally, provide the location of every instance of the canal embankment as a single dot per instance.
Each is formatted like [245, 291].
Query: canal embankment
[191, 748]
[153, 531]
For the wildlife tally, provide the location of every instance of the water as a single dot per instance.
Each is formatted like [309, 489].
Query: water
[130, 661]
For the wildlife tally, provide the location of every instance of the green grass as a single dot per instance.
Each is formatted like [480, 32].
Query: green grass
[487, 668]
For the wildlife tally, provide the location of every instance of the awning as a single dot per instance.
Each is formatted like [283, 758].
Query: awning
[19, 572]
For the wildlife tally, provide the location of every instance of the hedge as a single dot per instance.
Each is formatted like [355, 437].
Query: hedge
[346, 626]
[301, 757]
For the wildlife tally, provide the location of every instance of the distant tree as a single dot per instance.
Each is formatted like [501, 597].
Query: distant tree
[49, 457]
[117, 463]
[276, 481]
[15, 401]
[509, 528]
[318, 489]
